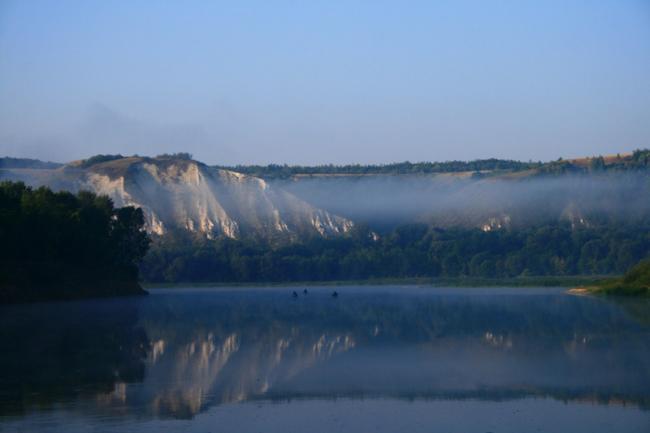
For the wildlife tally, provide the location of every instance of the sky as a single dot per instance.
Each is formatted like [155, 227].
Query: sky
[314, 82]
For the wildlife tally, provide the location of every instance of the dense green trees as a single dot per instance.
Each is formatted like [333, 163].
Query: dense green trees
[8, 162]
[276, 171]
[98, 159]
[61, 245]
[413, 250]
[639, 160]
[636, 281]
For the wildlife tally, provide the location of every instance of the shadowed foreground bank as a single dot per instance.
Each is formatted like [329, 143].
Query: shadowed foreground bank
[65, 246]
[635, 282]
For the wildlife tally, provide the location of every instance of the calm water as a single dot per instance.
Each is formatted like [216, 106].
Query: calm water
[375, 359]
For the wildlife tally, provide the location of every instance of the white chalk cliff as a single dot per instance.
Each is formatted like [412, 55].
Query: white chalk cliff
[178, 193]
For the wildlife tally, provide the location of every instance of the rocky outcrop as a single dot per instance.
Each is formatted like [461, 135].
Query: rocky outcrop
[186, 194]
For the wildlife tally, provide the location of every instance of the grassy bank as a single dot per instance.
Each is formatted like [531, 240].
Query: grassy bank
[635, 282]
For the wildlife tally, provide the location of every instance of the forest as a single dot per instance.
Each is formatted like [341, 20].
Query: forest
[284, 171]
[638, 160]
[59, 245]
[408, 251]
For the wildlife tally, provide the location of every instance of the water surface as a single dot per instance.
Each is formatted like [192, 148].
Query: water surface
[372, 359]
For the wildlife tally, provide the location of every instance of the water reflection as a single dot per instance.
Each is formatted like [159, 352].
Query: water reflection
[62, 351]
[176, 354]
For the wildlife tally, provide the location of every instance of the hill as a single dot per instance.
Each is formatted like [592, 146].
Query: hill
[176, 192]
[587, 216]
[8, 162]
[282, 203]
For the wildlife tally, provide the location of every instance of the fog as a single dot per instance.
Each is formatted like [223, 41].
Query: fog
[445, 200]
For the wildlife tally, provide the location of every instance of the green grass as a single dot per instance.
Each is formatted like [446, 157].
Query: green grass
[636, 282]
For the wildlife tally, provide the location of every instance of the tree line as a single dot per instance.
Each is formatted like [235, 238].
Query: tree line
[413, 250]
[638, 160]
[284, 171]
[64, 245]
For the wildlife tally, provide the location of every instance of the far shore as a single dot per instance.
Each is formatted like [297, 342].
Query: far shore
[604, 290]
[542, 281]
[580, 291]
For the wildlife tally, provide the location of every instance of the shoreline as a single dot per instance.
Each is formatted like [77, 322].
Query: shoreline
[557, 281]
[73, 291]
[580, 291]
[621, 292]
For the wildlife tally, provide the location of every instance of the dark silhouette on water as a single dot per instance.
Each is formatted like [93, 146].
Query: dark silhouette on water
[335, 294]
[90, 346]
[294, 294]
[304, 292]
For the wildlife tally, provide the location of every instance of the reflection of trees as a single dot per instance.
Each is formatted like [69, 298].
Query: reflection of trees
[61, 351]
[636, 307]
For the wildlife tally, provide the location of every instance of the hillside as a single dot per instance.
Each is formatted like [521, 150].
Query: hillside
[23, 163]
[489, 194]
[280, 202]
[179, 193]
[489, 201]
[578, 217]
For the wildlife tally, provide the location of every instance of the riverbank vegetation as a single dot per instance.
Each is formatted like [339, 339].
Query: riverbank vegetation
[635, 282]
[409, 251]
[58, 245]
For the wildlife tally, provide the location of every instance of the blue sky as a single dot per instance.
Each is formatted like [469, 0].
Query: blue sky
[324, 81]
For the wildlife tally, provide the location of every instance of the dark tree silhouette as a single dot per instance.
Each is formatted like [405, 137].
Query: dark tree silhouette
[62, 245]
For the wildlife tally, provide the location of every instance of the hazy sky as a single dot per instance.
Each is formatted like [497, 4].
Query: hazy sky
[324, 81]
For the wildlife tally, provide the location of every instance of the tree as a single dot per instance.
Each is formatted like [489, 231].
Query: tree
[61, 245]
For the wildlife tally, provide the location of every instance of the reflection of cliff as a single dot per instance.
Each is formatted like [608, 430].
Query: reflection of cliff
[63, 351]
[228, 357]
[203, 349]
[235, 347]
